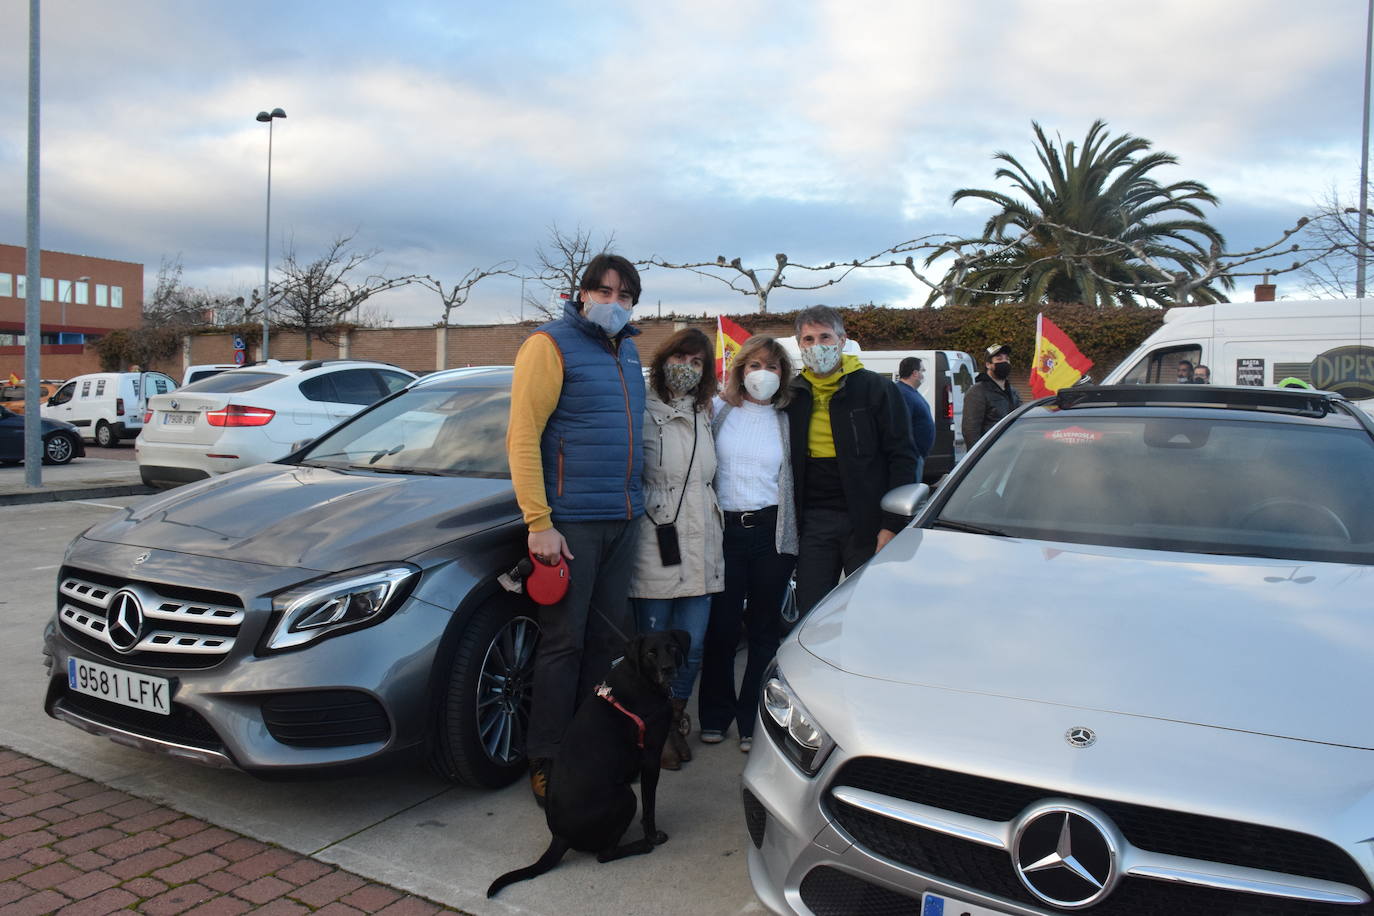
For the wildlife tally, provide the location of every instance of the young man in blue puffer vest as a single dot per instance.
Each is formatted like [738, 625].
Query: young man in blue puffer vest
[577, 409]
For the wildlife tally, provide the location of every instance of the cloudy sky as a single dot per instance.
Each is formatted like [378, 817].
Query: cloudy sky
[452, 135]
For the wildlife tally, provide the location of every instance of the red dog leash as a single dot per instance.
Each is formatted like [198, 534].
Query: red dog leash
[603, 690]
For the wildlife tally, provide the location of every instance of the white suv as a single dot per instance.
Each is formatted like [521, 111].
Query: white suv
[248, 416]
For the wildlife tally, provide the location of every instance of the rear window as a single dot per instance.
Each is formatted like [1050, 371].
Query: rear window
[1185, 483]
[235, 380]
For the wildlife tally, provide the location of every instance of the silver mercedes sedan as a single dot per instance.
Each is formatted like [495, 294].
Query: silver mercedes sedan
[1116, 665]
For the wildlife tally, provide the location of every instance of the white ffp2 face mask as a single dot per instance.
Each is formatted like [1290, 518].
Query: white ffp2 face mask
[761, 384]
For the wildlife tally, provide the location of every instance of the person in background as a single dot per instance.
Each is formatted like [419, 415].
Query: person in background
[679, 564]
[1185, 372]
[991, 396]
[851, 444]
[910, 374]
[1202, 375]
[576, 459]
[754, 485]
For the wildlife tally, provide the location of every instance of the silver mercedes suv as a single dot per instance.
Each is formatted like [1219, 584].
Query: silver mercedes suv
[1116, 665]
[336, 607]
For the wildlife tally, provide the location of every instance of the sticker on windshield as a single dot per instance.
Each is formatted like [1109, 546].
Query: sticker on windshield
[1073, 435]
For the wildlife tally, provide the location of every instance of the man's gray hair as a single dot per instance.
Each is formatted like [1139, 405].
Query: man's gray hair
[820, 314]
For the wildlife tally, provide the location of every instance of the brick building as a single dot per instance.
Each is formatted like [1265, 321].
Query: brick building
[81, 298]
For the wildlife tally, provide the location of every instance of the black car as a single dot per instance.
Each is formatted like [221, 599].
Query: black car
[61, 441]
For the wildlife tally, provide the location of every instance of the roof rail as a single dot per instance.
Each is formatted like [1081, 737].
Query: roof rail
[1279, 400]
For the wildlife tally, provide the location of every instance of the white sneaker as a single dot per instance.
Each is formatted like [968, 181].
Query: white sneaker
[745, 743]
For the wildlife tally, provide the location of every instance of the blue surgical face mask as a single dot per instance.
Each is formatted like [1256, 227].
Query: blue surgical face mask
[611, 317]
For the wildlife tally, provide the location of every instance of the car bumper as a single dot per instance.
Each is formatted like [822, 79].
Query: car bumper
[245, 710]
[176, 462]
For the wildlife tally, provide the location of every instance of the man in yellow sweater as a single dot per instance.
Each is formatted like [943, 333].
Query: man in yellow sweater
[574, 444]
[851, 443]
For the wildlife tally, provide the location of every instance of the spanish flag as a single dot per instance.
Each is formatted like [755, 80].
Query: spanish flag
[14, 379]
[1058, 363]
[729, 338]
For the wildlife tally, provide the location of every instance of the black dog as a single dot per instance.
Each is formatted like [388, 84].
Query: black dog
[616, 735]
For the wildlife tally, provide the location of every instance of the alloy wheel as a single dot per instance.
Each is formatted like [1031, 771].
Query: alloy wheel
[504, 689]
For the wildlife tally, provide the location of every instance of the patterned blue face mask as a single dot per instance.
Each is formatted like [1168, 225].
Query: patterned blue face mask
[611, 317]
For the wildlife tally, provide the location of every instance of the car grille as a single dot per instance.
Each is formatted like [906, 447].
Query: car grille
[326, 718]
[182, 726]
[181, 627]
[755, 817]
[1159, 830]
[831, 892]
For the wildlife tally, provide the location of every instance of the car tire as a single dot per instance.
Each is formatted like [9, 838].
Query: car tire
[105, 435]
[58, 449]
[484, 714]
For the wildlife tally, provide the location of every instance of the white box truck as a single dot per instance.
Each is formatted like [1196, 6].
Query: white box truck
[1326, 343]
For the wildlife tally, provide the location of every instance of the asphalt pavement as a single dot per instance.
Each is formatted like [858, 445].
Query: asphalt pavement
[403, 828]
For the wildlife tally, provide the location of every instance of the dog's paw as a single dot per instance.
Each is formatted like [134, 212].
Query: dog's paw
[660, 837]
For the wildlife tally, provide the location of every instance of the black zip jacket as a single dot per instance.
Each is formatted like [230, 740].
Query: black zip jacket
[985, 403]
[873, 447]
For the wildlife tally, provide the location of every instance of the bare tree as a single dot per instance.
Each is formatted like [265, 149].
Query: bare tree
[315, 297]
[456, 296]
[175, 305]
[1336, 228]
[559, 264]
[1153, 281]
[747, 280]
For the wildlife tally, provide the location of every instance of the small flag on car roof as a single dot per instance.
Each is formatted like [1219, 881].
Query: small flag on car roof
[1057, 363]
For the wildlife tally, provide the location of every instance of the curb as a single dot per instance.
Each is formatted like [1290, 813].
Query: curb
[28, 496]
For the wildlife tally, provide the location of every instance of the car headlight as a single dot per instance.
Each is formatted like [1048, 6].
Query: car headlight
[338, 603]
[791, 726]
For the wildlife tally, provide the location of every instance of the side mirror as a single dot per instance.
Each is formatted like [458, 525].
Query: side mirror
[907, 499]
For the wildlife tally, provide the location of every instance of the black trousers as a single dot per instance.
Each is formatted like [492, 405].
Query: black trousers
[827, 547]
[580, 635]
[755, 581]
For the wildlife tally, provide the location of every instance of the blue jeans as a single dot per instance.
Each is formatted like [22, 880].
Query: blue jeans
[689, 614]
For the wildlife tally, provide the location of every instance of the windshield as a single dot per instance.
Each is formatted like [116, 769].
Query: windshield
[236, 380]
[1197, 484]
[424, 431]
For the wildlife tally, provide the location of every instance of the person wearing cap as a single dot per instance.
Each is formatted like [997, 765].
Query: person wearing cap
[991, 396]
[850, 444]
[576, 459]
[910, 374]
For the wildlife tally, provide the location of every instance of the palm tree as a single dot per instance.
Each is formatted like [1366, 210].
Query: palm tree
[1099, 230]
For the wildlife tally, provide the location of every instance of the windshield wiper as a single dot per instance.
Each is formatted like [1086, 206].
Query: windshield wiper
[386, 452]
[377, 470]
[965, 526]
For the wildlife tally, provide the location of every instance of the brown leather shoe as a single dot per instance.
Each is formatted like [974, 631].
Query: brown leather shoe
[539, 781]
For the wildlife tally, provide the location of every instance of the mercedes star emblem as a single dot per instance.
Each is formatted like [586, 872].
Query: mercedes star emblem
[1066, 855]
[176, 405]
[124, 621]
[1081, 736]
[142, 558]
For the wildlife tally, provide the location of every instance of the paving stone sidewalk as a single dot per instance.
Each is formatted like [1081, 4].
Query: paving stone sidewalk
[72, 846]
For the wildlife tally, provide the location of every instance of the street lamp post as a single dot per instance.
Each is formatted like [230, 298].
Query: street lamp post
[268, 116]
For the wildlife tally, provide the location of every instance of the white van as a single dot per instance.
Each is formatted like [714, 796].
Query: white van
[1327, 343]
[949, 374]
[107, 406]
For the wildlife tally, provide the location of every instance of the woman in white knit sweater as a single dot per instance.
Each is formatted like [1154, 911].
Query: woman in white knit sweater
[754, 487]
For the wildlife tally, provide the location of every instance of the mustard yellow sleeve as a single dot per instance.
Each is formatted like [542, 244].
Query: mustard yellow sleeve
[534, 394]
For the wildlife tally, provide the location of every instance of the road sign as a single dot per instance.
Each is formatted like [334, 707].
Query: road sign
[238, 357]
[238, 343]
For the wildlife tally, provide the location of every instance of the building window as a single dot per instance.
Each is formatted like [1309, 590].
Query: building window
[21, 285]
[11, 340]
[102, 294]
[45, 288]
[6, 284]
[83, 292]
[64, 290]
[116, 297]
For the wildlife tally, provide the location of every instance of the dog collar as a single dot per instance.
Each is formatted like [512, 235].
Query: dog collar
[603, 690]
